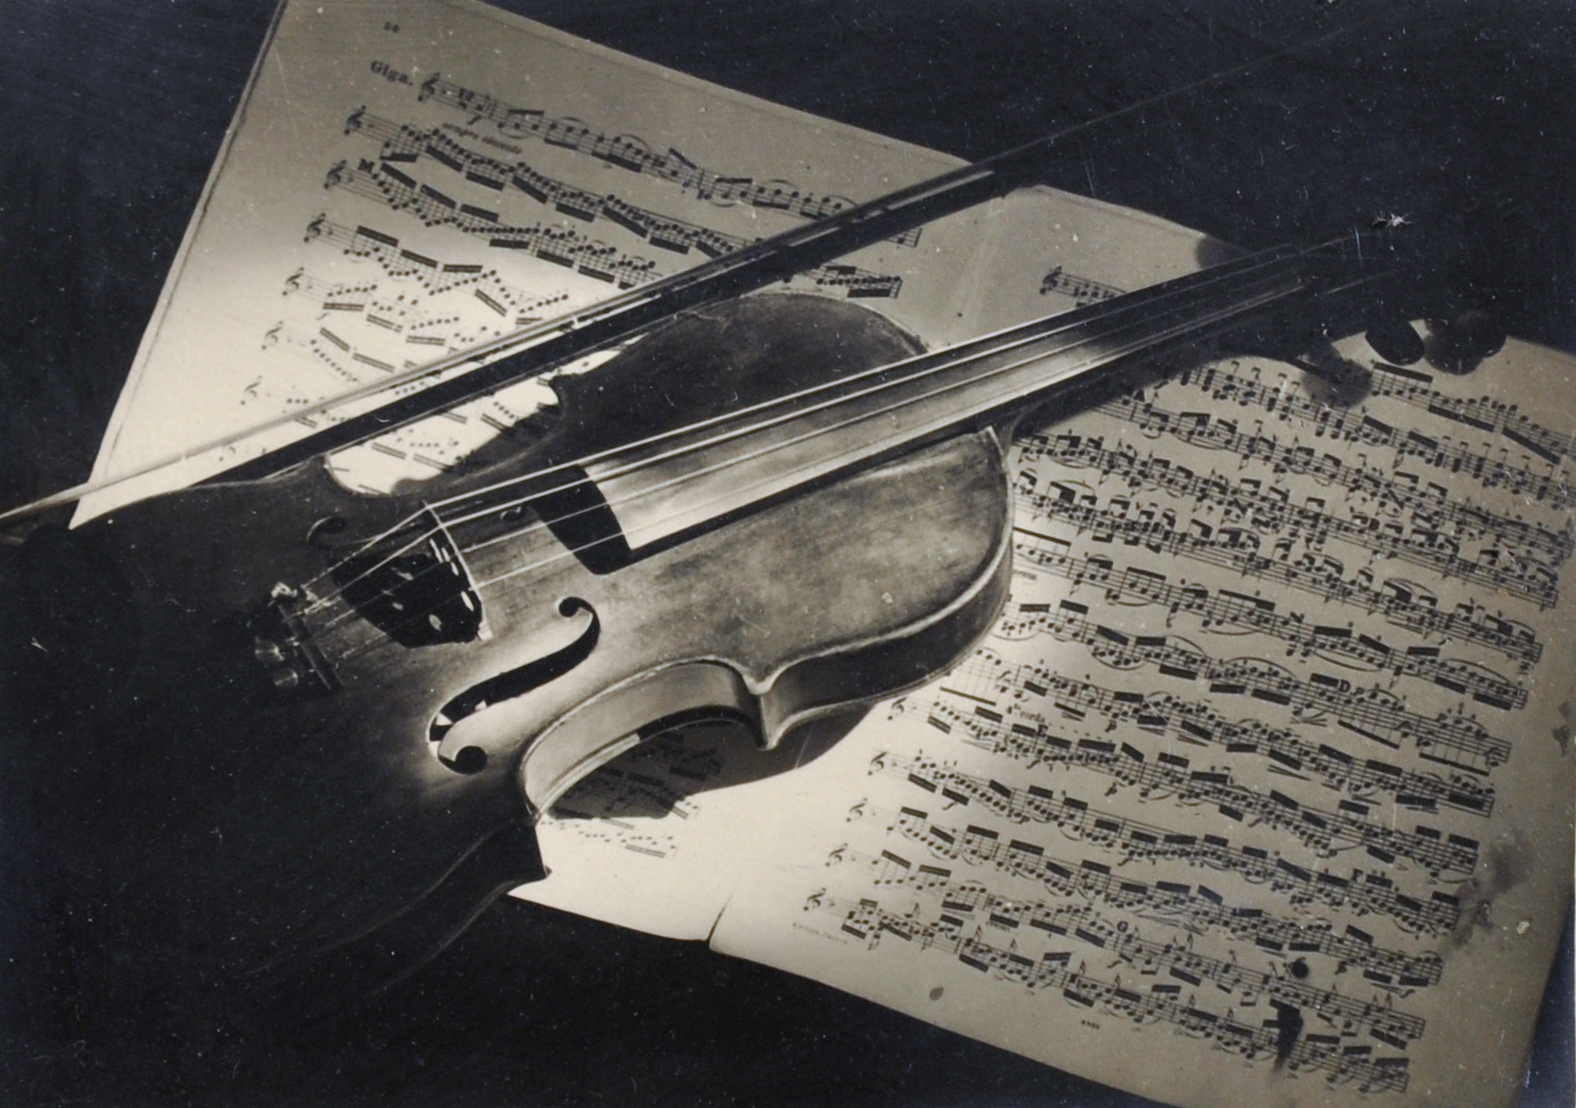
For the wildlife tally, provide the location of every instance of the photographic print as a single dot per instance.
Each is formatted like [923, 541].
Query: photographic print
[804, 553]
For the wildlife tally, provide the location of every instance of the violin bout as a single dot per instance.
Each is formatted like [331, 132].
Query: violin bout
[277, 724]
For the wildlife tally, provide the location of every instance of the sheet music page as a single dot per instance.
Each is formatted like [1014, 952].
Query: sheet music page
[1260, 790]
[409, 179]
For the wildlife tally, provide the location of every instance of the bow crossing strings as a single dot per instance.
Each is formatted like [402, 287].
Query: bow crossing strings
[1001, 341]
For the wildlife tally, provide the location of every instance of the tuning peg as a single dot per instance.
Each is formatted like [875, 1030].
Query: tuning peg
[1395, 341]
[1460, 344]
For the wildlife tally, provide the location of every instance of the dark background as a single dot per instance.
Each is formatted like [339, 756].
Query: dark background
[1459, 116]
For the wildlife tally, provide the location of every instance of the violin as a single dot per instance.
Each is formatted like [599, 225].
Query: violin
[295, 728]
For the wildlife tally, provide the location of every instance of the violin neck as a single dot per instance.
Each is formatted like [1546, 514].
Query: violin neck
[691, 478]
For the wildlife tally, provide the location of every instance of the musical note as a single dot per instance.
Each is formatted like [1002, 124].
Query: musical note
[1398, 603]
[1407, 386]
[1052, 972]
[636, 155]
[632, 802]
[1197, 723]
[1392, 488]
[614, 791]
[1003, 730]
[1084, 290]
[1176, 961]
[1131, 840]
[1357, 650]
[1325, 833]
[1218, 543]
[1270, 509]
[567, 247]
[411, 316]
[594, 826]
[1451, 738]
[1175, 905]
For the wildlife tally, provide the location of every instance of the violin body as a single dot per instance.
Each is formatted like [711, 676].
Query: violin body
[279, 719]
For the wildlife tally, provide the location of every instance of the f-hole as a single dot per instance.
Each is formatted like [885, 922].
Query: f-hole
[513, 683]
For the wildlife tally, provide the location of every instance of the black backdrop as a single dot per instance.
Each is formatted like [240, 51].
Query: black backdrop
[1459, 116]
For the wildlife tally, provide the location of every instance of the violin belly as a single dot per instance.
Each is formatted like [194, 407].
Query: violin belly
[849, 594]
[271, 828]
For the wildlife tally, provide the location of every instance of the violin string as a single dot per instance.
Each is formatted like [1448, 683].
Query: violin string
[559, 555]
[992, 344]
[1104, 356]
[417, 541]
[727, 417]
[540, 525]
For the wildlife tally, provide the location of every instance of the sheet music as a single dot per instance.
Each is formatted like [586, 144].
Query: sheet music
[416, 188]
[1260, 790]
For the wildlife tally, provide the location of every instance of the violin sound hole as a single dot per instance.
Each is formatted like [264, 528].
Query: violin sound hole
[513, 683]
[414, 587]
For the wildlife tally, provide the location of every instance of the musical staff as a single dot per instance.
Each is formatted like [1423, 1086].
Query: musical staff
[1414, 389]
[1022, 687]
[1270, 508]
[561, 246]
[1450, 738]
[1400, 604]
[1360, 651]
[653, 780]
[1128, 841]
[1175, 905]
[622, 802]
[1482, 413]
[634, 154]
[1171, 776]
[567, 247]
[1176, 960]
[1053, 972]
[1396, 489]
[402, 143]
[1155, 528]
[404, 330]
[434, 278]
[1082, 289]
[615, 791]
[683, 753]
[595, 826]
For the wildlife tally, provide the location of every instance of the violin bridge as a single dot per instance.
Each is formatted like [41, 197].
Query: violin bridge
[414, 586]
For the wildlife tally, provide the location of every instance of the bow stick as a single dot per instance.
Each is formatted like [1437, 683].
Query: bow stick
[544, 346]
